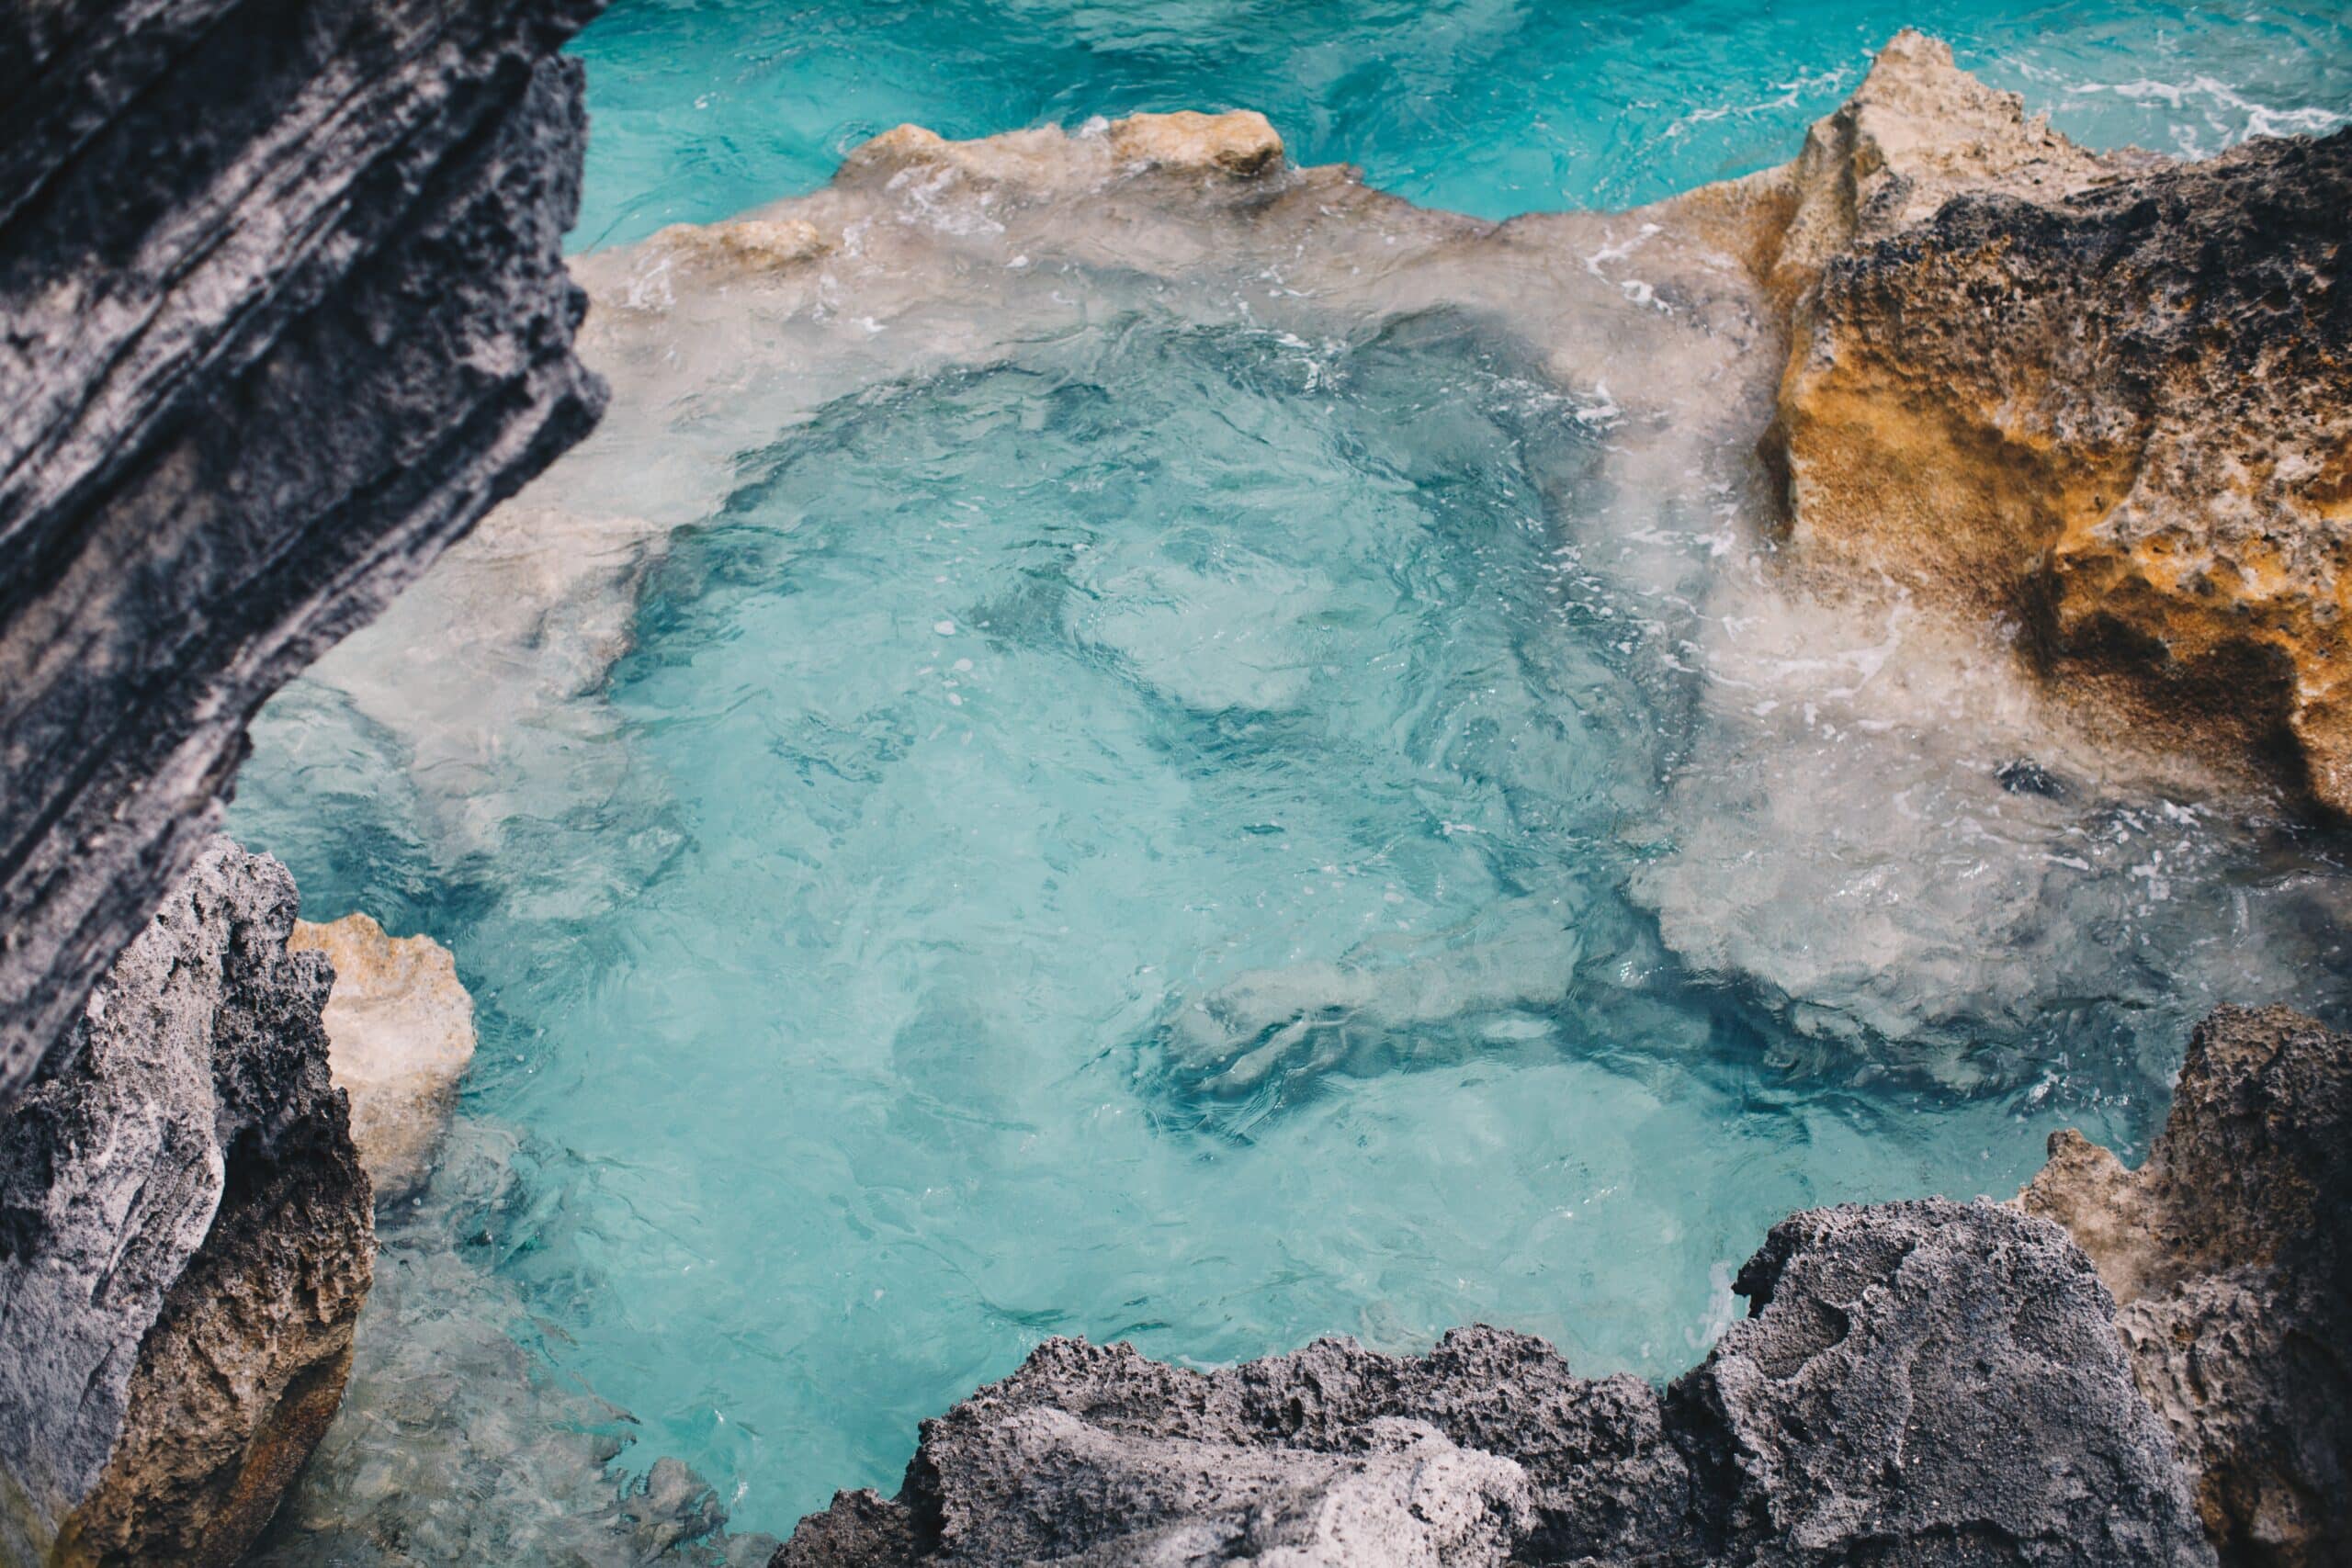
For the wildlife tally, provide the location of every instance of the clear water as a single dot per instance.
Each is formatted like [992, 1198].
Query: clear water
[1176, 830]
[1494, 107]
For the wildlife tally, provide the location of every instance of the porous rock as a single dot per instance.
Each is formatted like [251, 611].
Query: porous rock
[1917, 133]
[400, 1029]
[2106, 399]
[185, 1241]
[1921, 1384]
[2227, 1253]
[283, 311]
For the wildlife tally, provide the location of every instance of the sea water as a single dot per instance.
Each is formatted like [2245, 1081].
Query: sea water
[1182, 832]
[704, 107]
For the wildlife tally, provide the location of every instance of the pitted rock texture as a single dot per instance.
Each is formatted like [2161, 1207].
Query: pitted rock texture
[185, 1241]
[2229, 1254]
[1919, 1384]
[401, 1027]
[282, 312]
[2107, 399]
[1918, 131]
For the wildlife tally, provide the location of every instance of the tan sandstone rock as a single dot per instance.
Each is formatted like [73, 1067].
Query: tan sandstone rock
[1918, 131]
[751, 244]
[1238, 143]
[402, 1029]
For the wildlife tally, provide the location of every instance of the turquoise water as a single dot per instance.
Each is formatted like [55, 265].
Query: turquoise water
[704, 107]
[1170, 832]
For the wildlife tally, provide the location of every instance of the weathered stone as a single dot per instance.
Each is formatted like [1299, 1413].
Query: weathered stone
[1918, 131]
[2227, 1252]
[2107, 400]
[282, 311]
[746, 245]
[185, 1241]
[402, 1029]
[1925, 1383]
[1919, 1383]
[1239, 145]
[1239, 141]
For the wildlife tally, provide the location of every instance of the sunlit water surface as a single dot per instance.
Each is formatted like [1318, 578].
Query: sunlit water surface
[1162, 836]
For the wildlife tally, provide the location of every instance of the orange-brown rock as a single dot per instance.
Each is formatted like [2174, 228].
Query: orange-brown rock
[1239, 144]
[2106, 399]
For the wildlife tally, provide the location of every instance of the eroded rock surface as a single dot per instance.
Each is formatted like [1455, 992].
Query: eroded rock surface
[2227, 1253]
[185, 1241]
[1919, 1383]
[402, 1029]
[1917, 133]
[2106, 399]
[282, 312]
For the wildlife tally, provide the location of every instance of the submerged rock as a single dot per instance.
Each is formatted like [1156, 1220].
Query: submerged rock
[1390, 998]
[457, 1444]
[282, 311]
[2227, 1253]
[401, 1028]
[2107, 398]
[185, 1241]
[1926, 1382]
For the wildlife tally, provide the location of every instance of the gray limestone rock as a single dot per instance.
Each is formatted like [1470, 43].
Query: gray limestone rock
[1919, 1384]
[185, 1241]
[1929, 1384]
[2230, 1253]
[282, 311]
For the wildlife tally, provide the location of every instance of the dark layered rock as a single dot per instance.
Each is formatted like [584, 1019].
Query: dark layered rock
[1919, 1384]
[2229, 1254]
[185, 1241]
[282, 312]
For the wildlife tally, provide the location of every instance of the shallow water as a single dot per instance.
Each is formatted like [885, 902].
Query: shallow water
[1035, 787]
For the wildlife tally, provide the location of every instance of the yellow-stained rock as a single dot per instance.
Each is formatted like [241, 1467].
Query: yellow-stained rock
[1917, 133]
[2105, 400]
[401, 1030]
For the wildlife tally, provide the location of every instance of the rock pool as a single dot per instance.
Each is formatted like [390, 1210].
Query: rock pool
[1142, 769]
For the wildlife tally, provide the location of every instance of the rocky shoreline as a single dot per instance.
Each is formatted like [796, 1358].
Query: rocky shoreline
[2106, 399]
[1915, 1382]
[2101, 404]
